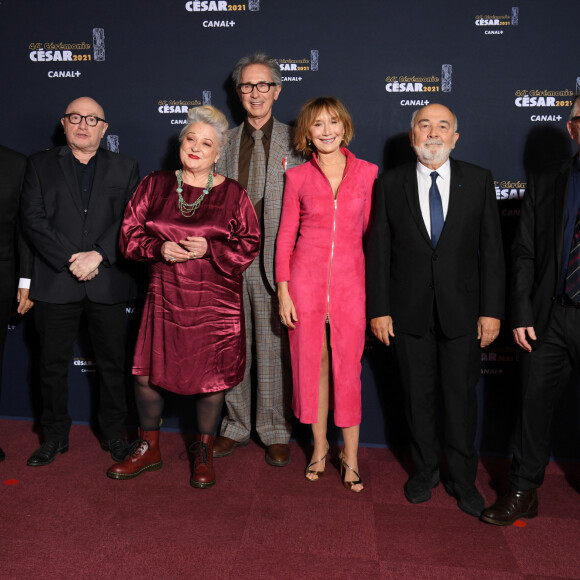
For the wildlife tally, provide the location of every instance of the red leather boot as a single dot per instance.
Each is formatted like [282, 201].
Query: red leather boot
[202, 475]
[144, 455]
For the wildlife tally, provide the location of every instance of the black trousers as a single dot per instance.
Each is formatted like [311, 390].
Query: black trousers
[5, 311]
[544, 374]
[58, 326]
[453, 363]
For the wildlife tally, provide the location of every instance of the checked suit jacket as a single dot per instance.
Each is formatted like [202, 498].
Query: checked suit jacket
[282, 156]
[55, 222]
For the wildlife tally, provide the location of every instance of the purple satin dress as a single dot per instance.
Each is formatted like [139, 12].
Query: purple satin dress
[191, 338]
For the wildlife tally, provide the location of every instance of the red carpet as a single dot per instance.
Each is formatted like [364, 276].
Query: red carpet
[69, 521]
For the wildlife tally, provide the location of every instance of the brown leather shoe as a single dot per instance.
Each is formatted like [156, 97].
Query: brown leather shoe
[278, 454]
[512, 506]
[225, 446]
[203, 474]
[144, 455]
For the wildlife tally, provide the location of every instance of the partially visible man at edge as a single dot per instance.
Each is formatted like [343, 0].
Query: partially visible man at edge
[545, 312]
[15, 255]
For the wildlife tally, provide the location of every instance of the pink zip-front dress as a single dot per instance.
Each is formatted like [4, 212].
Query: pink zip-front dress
[319, 252]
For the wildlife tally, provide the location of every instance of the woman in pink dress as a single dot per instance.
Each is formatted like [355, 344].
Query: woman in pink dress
[320, 272]
[198, 232]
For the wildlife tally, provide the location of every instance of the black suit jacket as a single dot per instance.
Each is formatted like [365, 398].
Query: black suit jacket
[537, 249]
[12, 245]
[54, 220]
[464, 274]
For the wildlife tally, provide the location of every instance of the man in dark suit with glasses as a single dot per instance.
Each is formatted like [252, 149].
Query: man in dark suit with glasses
[73, 202]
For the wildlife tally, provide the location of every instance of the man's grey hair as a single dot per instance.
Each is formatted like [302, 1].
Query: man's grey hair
[257, 58]
[415, 113]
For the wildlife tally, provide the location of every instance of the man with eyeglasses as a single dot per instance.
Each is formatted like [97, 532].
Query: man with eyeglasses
[257, 154]
[72, 205]
[545, 308]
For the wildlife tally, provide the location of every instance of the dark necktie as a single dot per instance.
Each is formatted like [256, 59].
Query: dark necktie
[572, 284]
[257, 173]
[436, 209]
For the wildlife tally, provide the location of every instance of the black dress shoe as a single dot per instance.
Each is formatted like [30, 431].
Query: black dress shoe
[118, 448]
[512, 506]
[46, 453]
[468, 499]
[418, 488]
[2, 455]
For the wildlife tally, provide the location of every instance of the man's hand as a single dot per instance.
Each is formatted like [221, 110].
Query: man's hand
[24, 303]
[383, 329]
[487, 330]
[521, 339]
[84, 265]
[91, 275]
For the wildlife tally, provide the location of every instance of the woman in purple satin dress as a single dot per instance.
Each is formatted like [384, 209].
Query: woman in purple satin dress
[198, 232]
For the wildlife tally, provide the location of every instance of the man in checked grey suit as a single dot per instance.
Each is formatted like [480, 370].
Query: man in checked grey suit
[257, 154]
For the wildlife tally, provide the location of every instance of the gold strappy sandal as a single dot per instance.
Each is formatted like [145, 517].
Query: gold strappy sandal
[318, 474]
[348, 484]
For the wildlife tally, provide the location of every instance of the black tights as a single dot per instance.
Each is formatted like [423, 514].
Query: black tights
[150, 402]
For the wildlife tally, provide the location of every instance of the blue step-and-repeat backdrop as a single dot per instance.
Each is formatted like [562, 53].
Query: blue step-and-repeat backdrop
[508, 71]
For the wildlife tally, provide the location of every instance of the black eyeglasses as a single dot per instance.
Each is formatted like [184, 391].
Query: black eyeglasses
[247, 88]
[576, 118]
[90, 120]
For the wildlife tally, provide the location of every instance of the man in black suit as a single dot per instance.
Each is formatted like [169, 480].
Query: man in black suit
[435, 279]
[545, 309]
[12, 246]
[72, 205]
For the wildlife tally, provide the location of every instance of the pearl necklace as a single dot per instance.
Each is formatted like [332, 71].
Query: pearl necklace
[188, 209]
